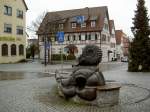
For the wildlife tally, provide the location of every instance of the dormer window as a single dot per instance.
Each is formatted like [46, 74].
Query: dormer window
[83, 25]
[73, 25]
[106, 27]
[93, 23]
[61, 26]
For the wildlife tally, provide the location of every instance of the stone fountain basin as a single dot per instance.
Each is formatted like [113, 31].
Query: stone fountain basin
[107, 95]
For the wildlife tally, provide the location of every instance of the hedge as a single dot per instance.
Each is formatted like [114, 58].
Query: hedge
[58, 57]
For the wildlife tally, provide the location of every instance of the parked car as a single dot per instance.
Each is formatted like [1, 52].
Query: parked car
[124, 59]
[114, 59]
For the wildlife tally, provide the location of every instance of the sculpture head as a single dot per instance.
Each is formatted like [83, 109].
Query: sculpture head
[91, 55]
[83, 81]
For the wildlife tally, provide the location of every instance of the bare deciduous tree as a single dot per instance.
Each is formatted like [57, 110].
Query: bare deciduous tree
[35, 24]
[49, 28]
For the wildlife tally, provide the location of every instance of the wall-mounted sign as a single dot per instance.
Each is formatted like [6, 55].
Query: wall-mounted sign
[80, 19]
[4, 38]
[60, 37]
[10, 39]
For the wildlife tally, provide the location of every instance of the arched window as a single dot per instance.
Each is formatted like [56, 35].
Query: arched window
[21, 49]
[4, 50]
[13, 49]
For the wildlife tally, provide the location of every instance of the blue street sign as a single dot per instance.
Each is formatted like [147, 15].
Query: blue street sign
[60, 37]
[48, 45]
[80, 19]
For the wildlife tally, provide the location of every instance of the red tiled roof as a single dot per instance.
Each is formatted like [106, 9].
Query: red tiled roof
[111, 25]
[118, 36]
[98, 12]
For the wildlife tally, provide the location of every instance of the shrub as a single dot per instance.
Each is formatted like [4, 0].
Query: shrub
[71, 57]
[58, 57]
[28, 53]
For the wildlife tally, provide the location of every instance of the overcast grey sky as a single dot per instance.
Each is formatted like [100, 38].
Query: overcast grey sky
[121, 11]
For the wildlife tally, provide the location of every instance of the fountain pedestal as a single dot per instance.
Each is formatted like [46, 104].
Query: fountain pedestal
[86, 84]
[107, 95]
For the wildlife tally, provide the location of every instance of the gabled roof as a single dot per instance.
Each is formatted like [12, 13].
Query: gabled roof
[111, 25]
[96, 13]
[25, 4]
[118, 35]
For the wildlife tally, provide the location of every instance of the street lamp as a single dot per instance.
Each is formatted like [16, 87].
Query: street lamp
[100, 39]
[45, 41]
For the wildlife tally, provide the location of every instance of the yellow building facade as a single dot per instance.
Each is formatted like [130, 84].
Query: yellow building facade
[12, 30]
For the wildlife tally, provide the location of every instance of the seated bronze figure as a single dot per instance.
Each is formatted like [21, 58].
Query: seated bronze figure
[85, 77]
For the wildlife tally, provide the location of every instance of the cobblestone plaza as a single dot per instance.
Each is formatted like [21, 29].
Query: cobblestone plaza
[34, 91]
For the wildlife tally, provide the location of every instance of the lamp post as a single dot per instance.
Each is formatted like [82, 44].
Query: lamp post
[100, 39]
[45, 63]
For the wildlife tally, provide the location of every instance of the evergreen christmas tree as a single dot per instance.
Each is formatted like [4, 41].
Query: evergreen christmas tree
[139, 50]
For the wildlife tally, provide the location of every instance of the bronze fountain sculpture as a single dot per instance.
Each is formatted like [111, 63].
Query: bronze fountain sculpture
[85, 78]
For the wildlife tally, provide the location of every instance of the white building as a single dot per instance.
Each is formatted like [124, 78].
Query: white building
[12, 30]
[113, 49]
[95, 30]
[122, 44]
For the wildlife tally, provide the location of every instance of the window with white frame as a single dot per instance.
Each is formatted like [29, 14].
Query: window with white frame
[19, 13]
[7, 10]
[86, 37]
[108, 38]
[74, 37]
[41, 39]
[7, 28]
[89, 37]
[79, 37]
[96, 36]
[92, 36]
[73, 25]
[61, 26]
[68, 38]
[112, 45]
[71, 38]
[83, 37]
[103, 38]
[83, 25]
[106, 26]
[93, 23]
[19, 30]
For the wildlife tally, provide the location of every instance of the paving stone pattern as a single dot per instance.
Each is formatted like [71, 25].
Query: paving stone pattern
[30, 94]
[40, 95]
